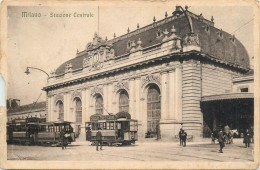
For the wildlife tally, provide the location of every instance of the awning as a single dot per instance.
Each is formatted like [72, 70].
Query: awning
[229, 96]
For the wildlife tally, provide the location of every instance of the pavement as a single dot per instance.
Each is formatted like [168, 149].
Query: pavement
[141, 151]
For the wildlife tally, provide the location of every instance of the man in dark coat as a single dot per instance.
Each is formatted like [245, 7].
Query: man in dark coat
[247, 138]
[99, 139]
[221, 140]
[183, 138]
[180, 132]
[62, 137]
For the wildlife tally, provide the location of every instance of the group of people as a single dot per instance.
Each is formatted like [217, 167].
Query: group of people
[183, 137]
[222, 138]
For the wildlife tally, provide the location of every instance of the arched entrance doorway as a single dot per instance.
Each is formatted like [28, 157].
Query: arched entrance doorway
[153, 109]
[99, 104]
[60, 110]
[123, 101]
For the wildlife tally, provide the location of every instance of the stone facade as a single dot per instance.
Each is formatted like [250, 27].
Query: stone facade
[178, 69]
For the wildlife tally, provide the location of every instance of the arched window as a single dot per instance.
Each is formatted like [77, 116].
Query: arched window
[78, 110]
[123, 101]
[60, 109]
[99, 104]
[153, 108]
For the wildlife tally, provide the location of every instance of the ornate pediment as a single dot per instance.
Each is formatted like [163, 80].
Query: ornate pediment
[151, 79]
[75, 94]
[98, 52]
[96, 90]
[121, 85]
[59, 97]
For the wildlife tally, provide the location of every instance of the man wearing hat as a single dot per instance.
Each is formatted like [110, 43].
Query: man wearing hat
[99, 139]
[180, 136]
[221, 140]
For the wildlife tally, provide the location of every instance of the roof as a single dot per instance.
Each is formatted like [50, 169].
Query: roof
[230, 96]
[28, 107]
[212, 41]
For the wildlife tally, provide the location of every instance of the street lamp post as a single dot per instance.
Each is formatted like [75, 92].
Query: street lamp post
[27, 71]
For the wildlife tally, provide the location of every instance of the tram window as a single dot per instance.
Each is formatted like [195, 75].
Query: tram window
[132, 126]
[108, 124]
[118, 125]
[112, 125]
[94, 126]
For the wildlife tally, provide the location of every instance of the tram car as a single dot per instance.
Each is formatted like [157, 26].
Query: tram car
[35, 131]
[22, 131]
[116, 129]
[50, 133]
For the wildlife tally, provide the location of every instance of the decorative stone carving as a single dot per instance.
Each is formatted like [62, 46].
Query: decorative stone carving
[121, 85]
[98, 52]
[151, 79]
[96, 90]
[191, 39]
[86, 62]
[75, 94]
[59, 97]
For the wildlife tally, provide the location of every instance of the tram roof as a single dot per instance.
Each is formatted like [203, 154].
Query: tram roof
[229, 96]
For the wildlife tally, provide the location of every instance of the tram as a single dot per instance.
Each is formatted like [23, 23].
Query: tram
[36, 131]
[116, 129]
[50, 133]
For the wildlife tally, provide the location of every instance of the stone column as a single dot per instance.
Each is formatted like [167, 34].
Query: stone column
[172, 94]
[110, 98]
[164, 95]
[138, 111]
[87, 104]
[49, 112]
[83, 94]
[105, 99]
[132, 98]
[67, 107]
[137, 98]
[53, 109]
[178, 91]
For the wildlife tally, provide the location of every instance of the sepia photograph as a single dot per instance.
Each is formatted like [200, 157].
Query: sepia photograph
[127, 84]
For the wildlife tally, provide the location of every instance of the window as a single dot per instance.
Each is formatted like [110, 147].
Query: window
[78, 110]
[123, 102]
[129, 44]
[244, 90]
[99, 104]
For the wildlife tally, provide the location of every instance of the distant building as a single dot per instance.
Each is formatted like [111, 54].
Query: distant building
[24, 111]
[173, 73]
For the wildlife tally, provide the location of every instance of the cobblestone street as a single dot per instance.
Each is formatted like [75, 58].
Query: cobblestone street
[148, 151]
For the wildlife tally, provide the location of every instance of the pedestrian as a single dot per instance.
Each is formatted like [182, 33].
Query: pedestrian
[99, 139]
[180, 132]
[247, 138]
[158, 131]
[62, 137]
[184, 137]
[221, 140]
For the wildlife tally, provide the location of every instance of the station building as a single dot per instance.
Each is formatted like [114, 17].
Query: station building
[167, 73]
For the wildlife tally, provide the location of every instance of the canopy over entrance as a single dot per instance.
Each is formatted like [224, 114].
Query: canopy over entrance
[235, 110]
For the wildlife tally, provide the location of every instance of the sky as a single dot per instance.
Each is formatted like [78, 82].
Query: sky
[47, 42]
